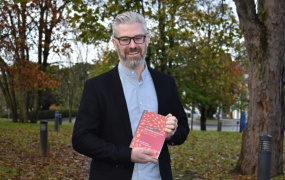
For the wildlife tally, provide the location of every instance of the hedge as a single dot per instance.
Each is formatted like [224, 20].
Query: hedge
[47, 114]
[50, 114]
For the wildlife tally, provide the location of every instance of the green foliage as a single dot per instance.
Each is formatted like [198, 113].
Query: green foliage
[261, 11]
[50, 114]
[4, 115]
[109, 61]
[208, 69]
[72, 81]
[191, 40]
[241, 103]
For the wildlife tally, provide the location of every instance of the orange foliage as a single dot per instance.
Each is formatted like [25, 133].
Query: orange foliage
[28, 76]
[236, 68]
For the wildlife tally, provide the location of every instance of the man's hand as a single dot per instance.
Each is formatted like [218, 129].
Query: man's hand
[142, 155]
[171, 126]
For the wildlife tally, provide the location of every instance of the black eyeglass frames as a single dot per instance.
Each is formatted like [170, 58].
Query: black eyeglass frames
[140, 39]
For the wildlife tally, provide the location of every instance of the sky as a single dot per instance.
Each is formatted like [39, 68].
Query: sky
[232, 4]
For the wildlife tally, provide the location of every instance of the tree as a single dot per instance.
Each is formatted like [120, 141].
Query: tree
[8, 92]
[30, 27]
[242, 100]
[189, 40]
[208, 73]
[263, 27]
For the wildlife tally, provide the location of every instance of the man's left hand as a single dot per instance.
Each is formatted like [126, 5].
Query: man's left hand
[171, 126]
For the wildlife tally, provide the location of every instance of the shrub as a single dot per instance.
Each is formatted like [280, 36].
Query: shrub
[50, 114]
[46, 114]
[4, 115]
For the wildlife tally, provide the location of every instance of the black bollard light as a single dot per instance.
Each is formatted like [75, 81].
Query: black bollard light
[60, 119]
[56, 121]
[264, 157]
[43, 138]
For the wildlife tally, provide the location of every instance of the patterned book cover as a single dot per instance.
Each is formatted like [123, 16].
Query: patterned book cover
[150, 133]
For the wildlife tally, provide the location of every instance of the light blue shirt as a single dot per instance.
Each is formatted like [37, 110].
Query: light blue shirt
[140, 96]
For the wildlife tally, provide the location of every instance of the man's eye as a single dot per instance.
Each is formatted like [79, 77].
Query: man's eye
[139, 38]
[124, 39]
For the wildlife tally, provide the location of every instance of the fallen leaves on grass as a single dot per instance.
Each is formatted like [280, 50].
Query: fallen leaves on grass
[207, 155]
[21, 158]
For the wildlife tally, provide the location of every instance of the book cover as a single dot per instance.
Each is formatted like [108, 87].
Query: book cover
[150, 133]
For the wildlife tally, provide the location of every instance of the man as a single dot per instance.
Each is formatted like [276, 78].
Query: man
[112, 104]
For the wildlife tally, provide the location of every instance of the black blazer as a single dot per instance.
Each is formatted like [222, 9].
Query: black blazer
[102, 128]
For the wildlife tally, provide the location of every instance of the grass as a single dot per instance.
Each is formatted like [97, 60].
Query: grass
[209, 155]
[21, 158]
[204, 155]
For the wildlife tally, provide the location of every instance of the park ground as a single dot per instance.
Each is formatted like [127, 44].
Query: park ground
[205, 154]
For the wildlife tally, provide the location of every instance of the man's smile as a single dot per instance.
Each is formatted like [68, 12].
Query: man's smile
[133, 53]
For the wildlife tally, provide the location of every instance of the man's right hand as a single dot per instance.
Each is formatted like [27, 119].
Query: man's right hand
[142, 155]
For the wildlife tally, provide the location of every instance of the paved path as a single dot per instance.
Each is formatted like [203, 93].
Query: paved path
[227, 124]
[63, 120]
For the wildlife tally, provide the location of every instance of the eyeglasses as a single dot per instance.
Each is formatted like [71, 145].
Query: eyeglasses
[127, 40]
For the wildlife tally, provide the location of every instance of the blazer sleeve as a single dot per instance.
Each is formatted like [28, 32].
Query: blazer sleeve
[86, 137]
[178, 111]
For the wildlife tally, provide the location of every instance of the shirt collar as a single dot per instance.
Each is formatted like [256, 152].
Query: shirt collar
[131, 73]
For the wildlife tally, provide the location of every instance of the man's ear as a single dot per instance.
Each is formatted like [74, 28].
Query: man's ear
[147, 39]
[114, 43]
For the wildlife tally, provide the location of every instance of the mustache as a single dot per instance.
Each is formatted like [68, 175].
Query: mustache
[133, 50]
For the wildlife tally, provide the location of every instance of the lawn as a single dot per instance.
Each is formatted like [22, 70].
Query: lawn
[21, 158]
[205, 154]
[209, 155]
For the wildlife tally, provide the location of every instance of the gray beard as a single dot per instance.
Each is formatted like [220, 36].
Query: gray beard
[133, 63]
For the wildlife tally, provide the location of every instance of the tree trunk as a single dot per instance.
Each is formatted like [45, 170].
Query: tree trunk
[10, 98]
[12, 104]
[23, 106]
[265, 42]
[8, 91]
[70, 104]
[36, 105]
[203, 118]
[162, 35]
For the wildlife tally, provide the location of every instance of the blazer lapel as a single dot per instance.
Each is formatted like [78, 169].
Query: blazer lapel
[119, 96]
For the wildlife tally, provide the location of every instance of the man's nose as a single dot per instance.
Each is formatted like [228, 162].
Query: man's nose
[132, 43]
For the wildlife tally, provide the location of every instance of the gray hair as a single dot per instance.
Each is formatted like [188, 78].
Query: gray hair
[128, 17]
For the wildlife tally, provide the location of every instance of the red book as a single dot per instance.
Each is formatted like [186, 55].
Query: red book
[150, 133]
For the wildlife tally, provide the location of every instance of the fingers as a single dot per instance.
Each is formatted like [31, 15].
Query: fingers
[169, 115]
[142, 155]
[171, 123]
[171, 126]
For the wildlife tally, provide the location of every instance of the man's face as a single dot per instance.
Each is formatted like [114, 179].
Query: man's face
[131, 55]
